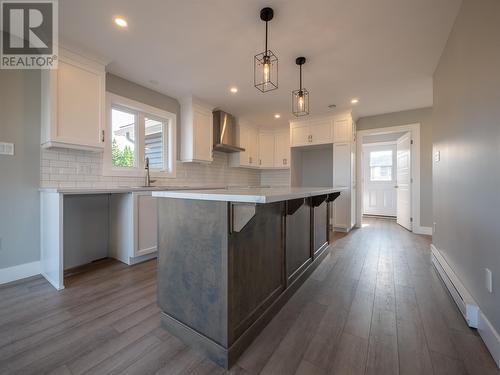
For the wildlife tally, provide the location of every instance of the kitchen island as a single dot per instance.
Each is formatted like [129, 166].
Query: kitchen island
[228, 260]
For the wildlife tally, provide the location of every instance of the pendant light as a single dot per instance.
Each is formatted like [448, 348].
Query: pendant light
[300, 97]
[265, 69]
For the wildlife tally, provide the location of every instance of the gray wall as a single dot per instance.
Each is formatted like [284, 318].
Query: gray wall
[424, 117]
[389, 137]
[466, 132]
[20, 174]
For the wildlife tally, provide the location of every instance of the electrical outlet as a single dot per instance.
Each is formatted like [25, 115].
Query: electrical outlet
[434, 225]
[489, 280]
[437, 156]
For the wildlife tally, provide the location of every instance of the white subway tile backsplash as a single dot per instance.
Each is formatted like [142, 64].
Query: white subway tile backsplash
[73, 168]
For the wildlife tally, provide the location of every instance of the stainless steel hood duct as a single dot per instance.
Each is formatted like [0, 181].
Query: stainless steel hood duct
[225, 133]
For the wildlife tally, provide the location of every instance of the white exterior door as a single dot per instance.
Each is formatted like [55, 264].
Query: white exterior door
[403, 181]
[379, 180]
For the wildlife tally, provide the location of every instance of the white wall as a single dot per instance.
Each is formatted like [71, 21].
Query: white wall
[466, 132]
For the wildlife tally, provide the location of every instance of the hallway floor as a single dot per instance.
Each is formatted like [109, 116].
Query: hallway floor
[374, 306]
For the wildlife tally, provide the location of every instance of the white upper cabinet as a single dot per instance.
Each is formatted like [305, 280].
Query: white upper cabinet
[282, 150]
[342, 130]
[196, 131]
[321, 132]
[266, 150]
[248, 138]
[300, 135]
[73, 104]
[311, 133]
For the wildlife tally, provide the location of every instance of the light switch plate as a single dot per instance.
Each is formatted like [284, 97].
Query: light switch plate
[437, 156]
[6, 148]
[489, 280]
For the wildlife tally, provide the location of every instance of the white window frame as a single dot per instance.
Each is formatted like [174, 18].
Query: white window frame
[142, 110]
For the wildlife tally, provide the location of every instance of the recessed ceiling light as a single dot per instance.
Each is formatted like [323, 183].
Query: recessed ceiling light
[120, 21]
[277, 115]
[354, 101]
[234, 90]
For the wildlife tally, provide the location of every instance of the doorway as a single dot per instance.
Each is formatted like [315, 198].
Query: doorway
[388, 171]
[379, 180]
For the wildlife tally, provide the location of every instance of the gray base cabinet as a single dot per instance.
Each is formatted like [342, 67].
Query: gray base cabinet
[225, 269]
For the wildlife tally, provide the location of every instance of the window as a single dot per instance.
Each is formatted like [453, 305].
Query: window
[138, 131]
[381, 165]
[153, 142]
[123, 127]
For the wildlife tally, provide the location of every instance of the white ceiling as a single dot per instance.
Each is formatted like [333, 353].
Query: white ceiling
[382, 51]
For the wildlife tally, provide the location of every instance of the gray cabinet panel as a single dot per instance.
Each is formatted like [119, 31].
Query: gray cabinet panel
[256, 267]
[298, 236]
[320, 230]
[192, 261]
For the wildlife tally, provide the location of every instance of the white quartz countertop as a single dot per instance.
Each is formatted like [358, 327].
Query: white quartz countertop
[124, 189]
[248, 195]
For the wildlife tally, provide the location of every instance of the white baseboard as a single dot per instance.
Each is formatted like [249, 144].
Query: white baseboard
[490, 337]
[19, 272]
[466, 304]
[468, 307]
[423, 230]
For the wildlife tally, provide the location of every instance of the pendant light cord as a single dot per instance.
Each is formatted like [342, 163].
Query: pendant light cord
[266, 41]
[300, 78]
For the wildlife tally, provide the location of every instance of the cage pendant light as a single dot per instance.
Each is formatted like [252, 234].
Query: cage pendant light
[300, 97]
[265, 68]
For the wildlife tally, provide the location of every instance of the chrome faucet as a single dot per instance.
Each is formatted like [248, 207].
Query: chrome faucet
[148, 181]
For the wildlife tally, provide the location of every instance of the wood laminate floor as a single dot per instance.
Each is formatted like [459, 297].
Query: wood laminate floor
[374, 306]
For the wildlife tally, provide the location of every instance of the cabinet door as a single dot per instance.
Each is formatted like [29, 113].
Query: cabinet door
[253, 146]
[342, 210]
[256, 266]
[266, 150]
[282, 150]
[342, 130]
[203, 135]
[342, 178]
[146, 228]
[80, 105]
[321, 132]
[301, 135]
[341, 165]
[244, 134]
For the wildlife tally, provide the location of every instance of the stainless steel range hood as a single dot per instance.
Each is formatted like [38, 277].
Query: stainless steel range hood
[225, 133]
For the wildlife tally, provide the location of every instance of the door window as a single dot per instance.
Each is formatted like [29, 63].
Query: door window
[381, 166]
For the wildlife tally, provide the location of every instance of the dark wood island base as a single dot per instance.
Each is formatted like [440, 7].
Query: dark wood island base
[226, 268]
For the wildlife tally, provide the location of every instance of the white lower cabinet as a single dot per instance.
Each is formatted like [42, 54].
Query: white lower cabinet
[134, 227]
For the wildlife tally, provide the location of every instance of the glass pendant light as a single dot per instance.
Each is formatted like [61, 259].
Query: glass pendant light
[300, 97]
[265, 67]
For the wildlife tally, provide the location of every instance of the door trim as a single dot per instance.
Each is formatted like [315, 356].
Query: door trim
[414, 130]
